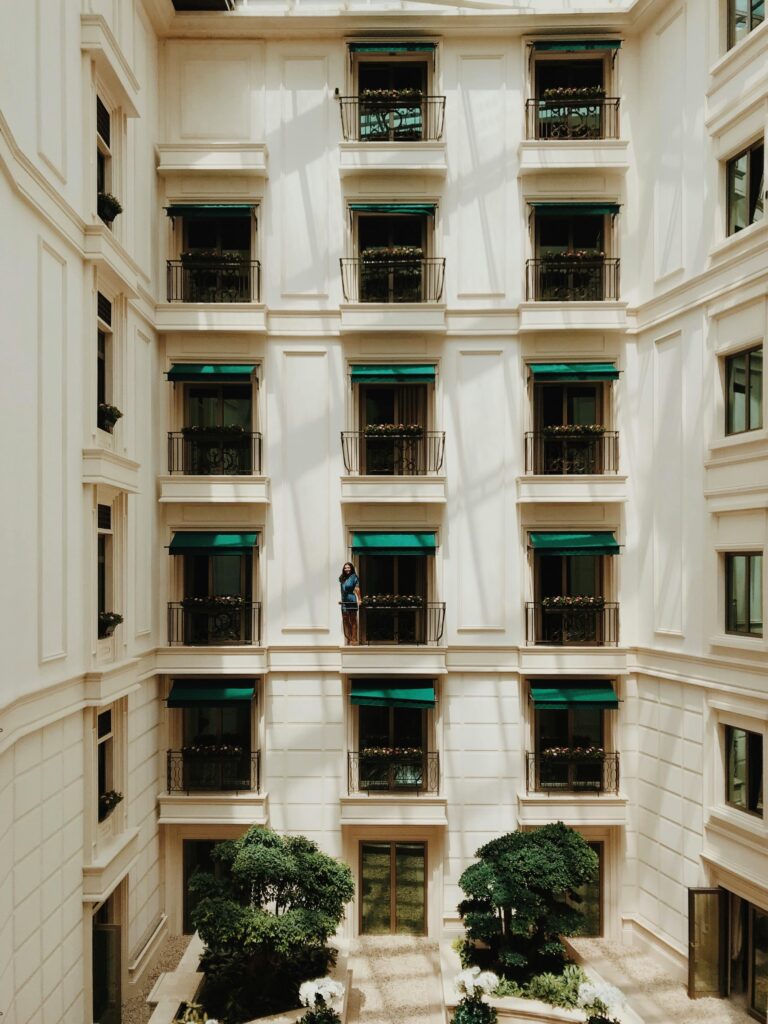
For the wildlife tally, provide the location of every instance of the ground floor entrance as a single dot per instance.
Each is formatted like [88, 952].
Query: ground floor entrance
[393, 888]
[107, 970]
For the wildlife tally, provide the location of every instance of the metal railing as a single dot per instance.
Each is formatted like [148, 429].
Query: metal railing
[395, 280]
[214, 625]
[210, 280]
[571, 280]
[393, 454]
[205, 453]
[571, 775]
[402, 625]
[393, 773]
[564, 627]
[571, 454]
[189, 772]
[593, 118]
[419, 119]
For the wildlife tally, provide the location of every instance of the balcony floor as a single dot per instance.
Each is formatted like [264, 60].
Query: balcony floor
[572, 808]
[214, 490]
[579, 489]
[394, 809]
[393, 490]
[243, 808]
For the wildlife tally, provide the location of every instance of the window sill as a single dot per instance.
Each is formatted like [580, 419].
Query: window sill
[747, 644]
[741, 55]
[738, 443]
[756, 234]
[740, 824]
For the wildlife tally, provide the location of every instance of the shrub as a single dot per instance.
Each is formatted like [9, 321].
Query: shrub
[472, 985]
[518, 899]
[266, 924]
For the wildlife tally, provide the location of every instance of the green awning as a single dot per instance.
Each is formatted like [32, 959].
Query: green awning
[192, 542]
[364, 543]
[543, 372]
[391, 693]
[423, 209]
[380, 47]
[556, 695]
[212, 373]
[210, 209]
[575, 45]
[596, 542]
[191, 693]
[575, 209]
[400, 373]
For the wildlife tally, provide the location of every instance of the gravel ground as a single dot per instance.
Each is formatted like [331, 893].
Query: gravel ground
[644, 981]
[395, 979]
[136, 1010]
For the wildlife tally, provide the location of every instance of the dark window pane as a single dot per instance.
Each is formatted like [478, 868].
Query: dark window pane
[755, 594]
[410, 878]
[202, 233]
[102, 573]
[737, 193]
[759, 995]
[736, 372]
[736, 768]
[376, 889]
[736, 594]
[236, 234]
[374, 727]
[755, 407]
[105, 723]
[756, 178]
[101, 367]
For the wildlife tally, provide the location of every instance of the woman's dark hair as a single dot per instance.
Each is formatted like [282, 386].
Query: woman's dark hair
[345, 575]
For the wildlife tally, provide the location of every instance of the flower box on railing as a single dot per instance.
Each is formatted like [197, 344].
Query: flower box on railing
[394, 601]
[573, 754]
[574, 430]
[393, 430]
[230, 430]
[564, 92]
[212, 750]
[209, 256]
[568, 603]
[401, 254]
[108, 622]
[390, 95]
[387, 752]
[221, 601]
[573, 256]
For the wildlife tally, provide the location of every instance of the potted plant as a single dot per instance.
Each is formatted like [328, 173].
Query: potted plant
[108, 622]
[573, 601]
[108, 802]
[602, 1003]
[387, 752]
[574, 430]
[392, 601]
[108, 207]
[229, 429]
[471, 985]
[390, 95]
[107, 416]
[319, 996]
[564, 92]
[574, 255]
[214, 601]
[573, 754]
[392, 254]
[393, 430]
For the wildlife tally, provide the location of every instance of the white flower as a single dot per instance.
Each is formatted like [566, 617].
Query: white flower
[608, 995]
[321, 988]
[210, 1020]
[475, 982]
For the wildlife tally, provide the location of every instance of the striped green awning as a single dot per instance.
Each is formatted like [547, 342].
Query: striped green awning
[556, 695]
[210, 210]
[192, 542]
[422, 209]
[596, 542]
[543, 372]
[575, 45]
[391, 693]
[364, 543]
[384, 47]
[212, 373]
[575, 209]
[192, 693]
[396, 373]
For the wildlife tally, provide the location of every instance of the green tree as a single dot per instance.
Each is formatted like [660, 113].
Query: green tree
[519, 895]
[267, 922]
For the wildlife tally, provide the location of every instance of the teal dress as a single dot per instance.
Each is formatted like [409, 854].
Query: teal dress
[348, 596]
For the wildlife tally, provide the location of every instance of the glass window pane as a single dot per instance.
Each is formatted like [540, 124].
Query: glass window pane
[759, 995]
[203, 407]
[737, 194]
[739, 14]
[756, 389]
[376, 889]
[236, 407]
[587, 726]
[552, 729]
[755, 772]
[736, 595]
[706, 930]
[102, 574]
[583, 575]
[588, 898]
[582, 405]
[756, 594]
[736, 372]
[225, 574]
[374, 727]
[736, 767]
[756, 180]
[410, 875]
[758, 12]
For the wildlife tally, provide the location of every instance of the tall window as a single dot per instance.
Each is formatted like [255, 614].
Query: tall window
[105, 410]
[106, 767]
[744, 594]
[744, 769]
[744, 391]
[103, 151]
[745, 182]
[104, 551]
[743, 16]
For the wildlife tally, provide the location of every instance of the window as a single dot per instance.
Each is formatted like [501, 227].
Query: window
[588, 898]
[105, 759]
[381, 407]
[745, 182]
[392, 249]
[758, 962]
[744, 391]
[744, 770]
[104, 545]
[103, 150]
[106, 413]
[217, 605]
[744, 594]
[743, 17]
[217, 433]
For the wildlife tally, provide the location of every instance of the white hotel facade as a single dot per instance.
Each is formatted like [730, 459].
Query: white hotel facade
[301, 265]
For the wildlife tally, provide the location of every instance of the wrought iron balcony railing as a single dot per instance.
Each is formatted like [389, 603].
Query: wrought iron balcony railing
[214, 624]
[206, 453]
[395, 280]
[416, 119]
[195, 772]
[402, 625]
[393, 454]
[571, 774]
[594, 118]
[572, 280]
[393, 773]
[565, 627]
[214, 280]
[571, 454]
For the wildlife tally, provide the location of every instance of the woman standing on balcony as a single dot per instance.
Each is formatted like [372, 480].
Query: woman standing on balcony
[350, 601]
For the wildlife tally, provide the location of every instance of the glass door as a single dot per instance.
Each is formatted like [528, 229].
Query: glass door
[393, 889]
[758, 963]
[707, 937]
[107, 995]
[197, 857]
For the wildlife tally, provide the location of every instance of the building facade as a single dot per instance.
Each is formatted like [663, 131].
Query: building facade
[473, 298]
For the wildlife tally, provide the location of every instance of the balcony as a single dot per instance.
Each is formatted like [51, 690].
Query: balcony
[214, 451]
[213, 279]
[214, 622]
[197, 770]
[570, 771]
[555, 451]
[387, 134]
[393, 468]
[572, 279]
[558, 626]
[393, 771]
[392, 279]
[587, 119]
[402, 624]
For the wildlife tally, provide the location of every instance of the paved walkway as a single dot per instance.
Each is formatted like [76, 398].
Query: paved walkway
[395, 980]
